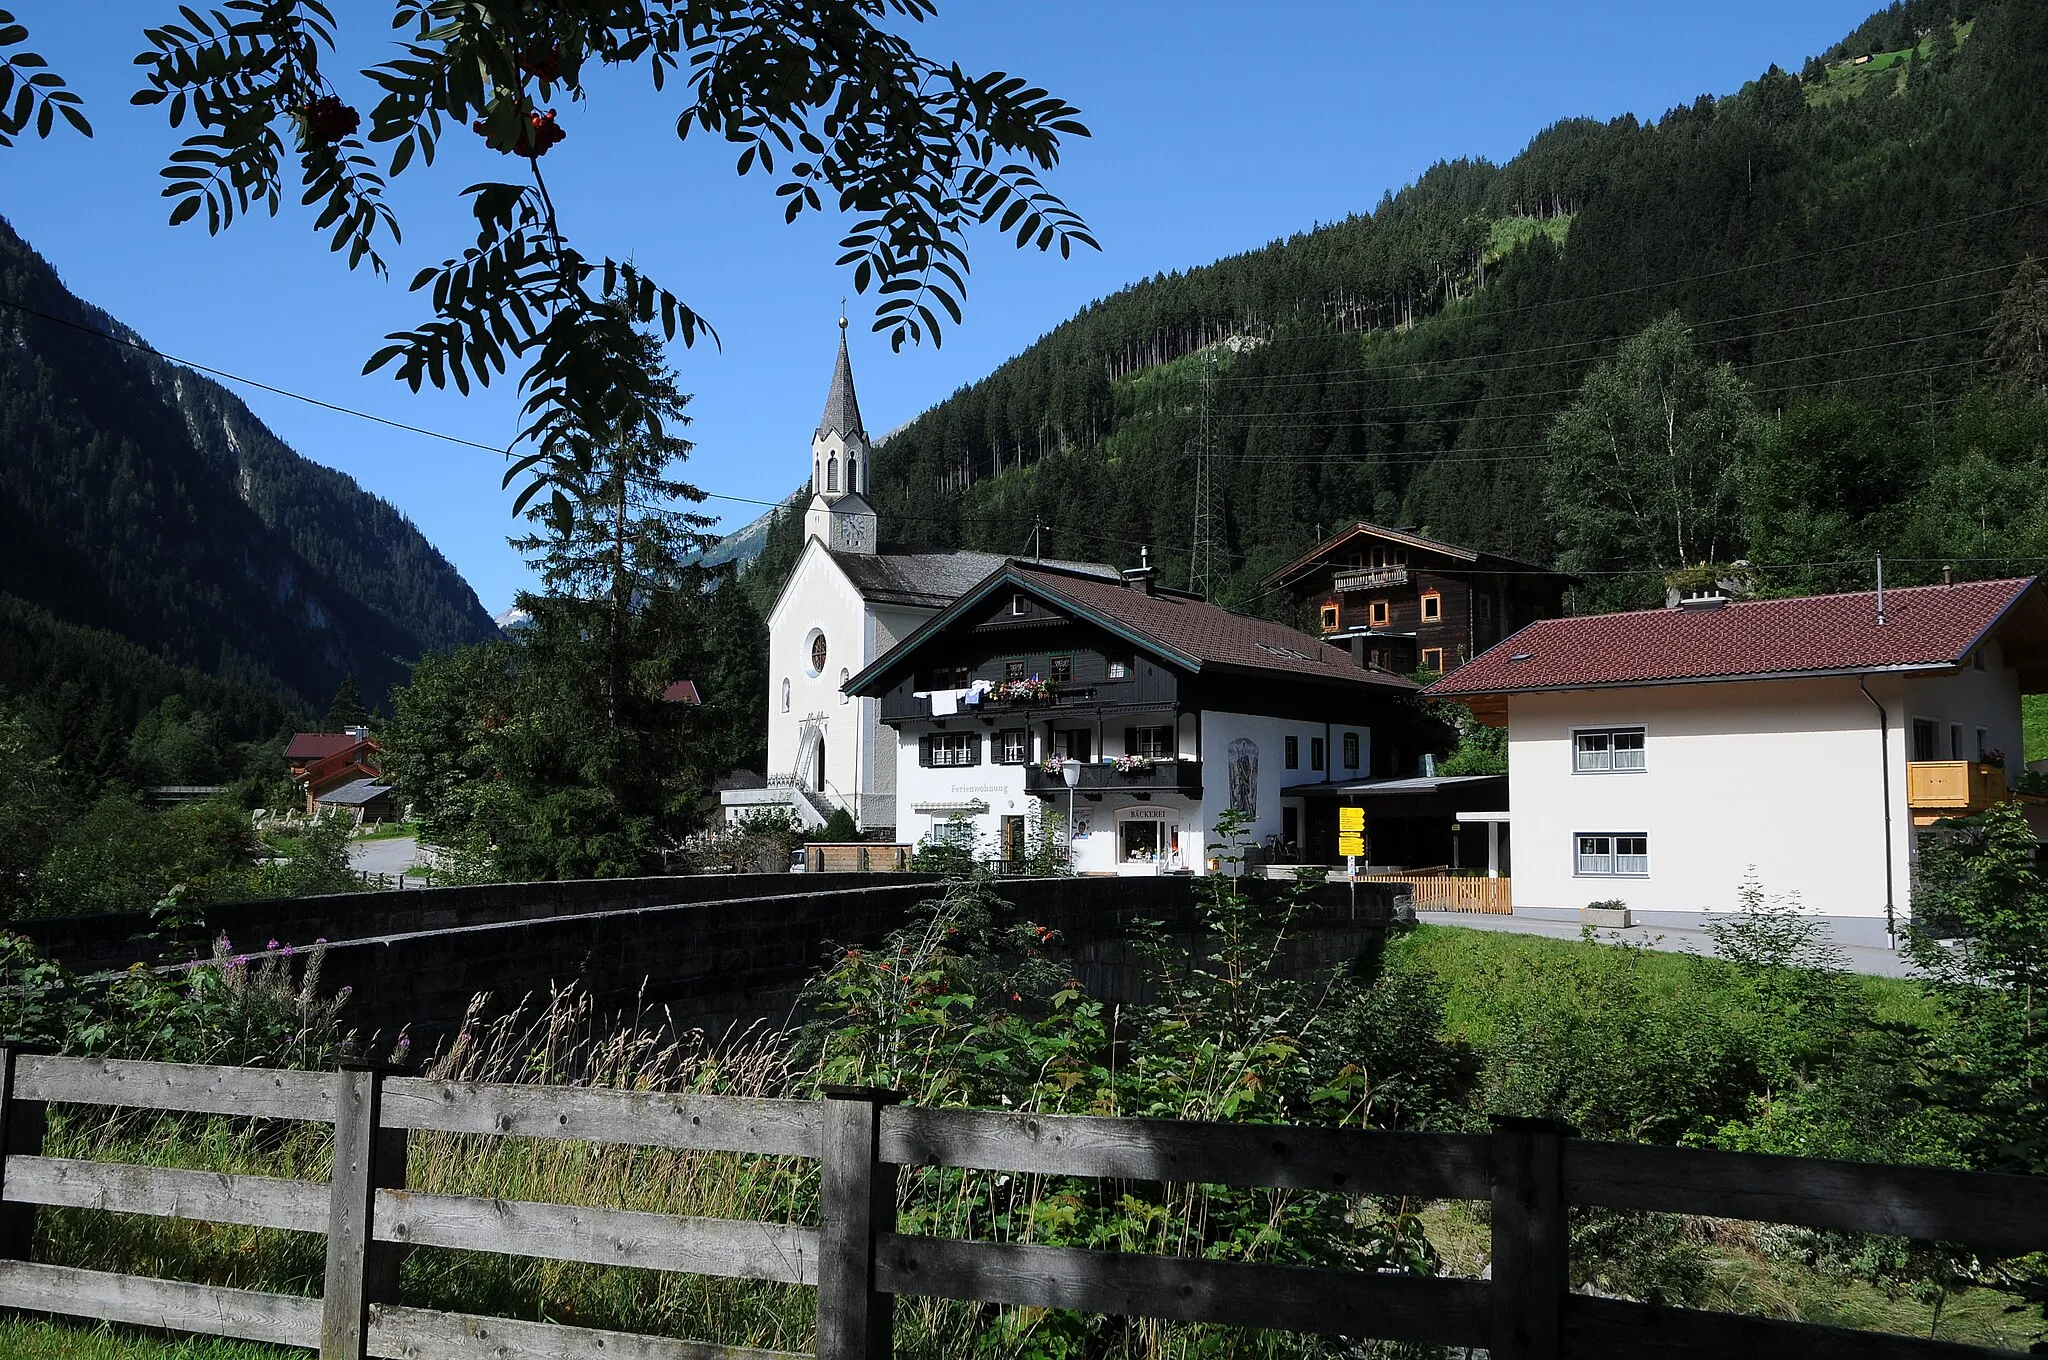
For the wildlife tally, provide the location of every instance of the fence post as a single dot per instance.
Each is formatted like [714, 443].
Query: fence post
[857, 1197]
[360, 1271]
[21, 1135]
[1531, 1274]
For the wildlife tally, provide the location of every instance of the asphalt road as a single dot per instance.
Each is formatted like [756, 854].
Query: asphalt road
[393, 855]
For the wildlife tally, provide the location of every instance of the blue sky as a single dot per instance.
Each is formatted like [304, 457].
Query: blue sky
[1218, 127]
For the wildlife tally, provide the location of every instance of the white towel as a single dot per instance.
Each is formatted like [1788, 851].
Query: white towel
[945, 702]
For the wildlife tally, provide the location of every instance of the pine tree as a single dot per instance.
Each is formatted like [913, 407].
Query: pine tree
[2018, 347]
[347, 709]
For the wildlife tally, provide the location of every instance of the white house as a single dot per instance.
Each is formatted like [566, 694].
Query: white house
[846, 603]
[1165, 710]
[1662, 756]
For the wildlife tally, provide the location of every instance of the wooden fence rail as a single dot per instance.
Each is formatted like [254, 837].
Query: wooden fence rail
[1454, 892]
[1530, 1171]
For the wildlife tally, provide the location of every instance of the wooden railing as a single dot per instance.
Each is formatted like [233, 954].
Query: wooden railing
[1454, 892]
[1529, 1171]
[1952, 788]
[852, 857]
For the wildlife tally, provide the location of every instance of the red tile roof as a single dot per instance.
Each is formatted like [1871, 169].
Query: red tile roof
[316, 745]
[1925, 626]
[681, 692]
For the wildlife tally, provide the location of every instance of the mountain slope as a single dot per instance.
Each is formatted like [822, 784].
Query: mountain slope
[1833, 235]
[143, 499]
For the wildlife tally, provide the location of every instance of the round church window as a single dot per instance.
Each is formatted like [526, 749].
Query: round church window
[817, 653]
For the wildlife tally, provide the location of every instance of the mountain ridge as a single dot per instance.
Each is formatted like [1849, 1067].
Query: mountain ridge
[147, 500]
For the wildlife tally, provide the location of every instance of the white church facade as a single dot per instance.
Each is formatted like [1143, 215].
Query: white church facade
[845, 604]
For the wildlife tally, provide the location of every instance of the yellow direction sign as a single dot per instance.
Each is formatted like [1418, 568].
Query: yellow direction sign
[1351, 819]
[1350, 844]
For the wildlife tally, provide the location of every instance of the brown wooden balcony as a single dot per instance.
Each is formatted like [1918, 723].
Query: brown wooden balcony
[1952, 788]
[1166, 776]
[1371, 578]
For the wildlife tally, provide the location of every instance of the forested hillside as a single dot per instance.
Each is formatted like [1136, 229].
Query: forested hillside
[1841, 238]
[145, 501]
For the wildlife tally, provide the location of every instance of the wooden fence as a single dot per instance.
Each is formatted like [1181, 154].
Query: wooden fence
[1454, 892]
[1530, 1171]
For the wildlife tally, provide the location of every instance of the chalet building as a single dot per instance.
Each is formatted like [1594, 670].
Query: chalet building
[1149, 711]
[1403, 602]
[845, 604]
[321, 762]
[1662, 756]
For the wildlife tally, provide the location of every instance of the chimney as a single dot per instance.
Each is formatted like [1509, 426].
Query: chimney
[1139, 578]
[359, 733]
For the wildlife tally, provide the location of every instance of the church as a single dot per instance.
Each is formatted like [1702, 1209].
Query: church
[845, 604]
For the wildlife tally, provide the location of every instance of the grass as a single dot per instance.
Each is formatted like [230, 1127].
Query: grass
[1469, 959]
[386, 831]
[1508, 234]
[21, 1339]
[1847, 81]
[2034, 722]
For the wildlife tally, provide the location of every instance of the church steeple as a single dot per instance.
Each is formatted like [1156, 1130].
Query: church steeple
[840, 456]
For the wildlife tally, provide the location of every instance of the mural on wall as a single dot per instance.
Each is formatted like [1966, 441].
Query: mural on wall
[1244, 776]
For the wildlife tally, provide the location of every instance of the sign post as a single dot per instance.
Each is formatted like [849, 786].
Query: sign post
[1351, 845]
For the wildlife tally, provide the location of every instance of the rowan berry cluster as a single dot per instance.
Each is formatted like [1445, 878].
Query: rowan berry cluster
[546, 132]
[328, 120]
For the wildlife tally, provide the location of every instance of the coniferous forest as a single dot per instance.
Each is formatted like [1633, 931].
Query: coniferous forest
[1850, 241]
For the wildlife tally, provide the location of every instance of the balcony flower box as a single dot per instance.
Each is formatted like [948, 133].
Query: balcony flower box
[1135, 764]
[1033, 690]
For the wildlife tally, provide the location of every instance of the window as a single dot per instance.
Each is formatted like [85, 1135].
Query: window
[1072, 744]
[1330, 618]
[844, 676]
[1485, 605]
[1350, 750]
[1156, 742]
[1013, 670]
[1433, 659]
[1315, 753]
[1389, 557]
[785, 695]
[852, 473]
[1606, 750]
[1060, 669]
[1292, 748]
[1926, 739]
[1380, 613]
[1119, 668]
[1020, 604]
[943, 749]
[1432, 607]
[817, 654]
[1955, 741]
[1983, 741]
[1606, 855]
[948, 677]
[1012, 748]
[958, 832]
[832, 473]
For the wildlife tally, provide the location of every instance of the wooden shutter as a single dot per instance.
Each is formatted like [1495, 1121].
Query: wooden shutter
[924, 751]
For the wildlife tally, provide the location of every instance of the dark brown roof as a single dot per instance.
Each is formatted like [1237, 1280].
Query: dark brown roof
[1925, 628]
[1180, 629]
[1319, 555]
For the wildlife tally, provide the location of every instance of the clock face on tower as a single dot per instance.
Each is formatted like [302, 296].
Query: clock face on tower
[852, 533]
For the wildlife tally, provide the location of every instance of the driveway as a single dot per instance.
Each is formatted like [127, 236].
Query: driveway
[391, 856]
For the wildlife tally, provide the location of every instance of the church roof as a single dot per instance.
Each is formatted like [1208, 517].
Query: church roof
[933, 580]
[842, 408]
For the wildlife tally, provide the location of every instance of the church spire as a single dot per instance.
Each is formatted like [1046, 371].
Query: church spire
[842, 408]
